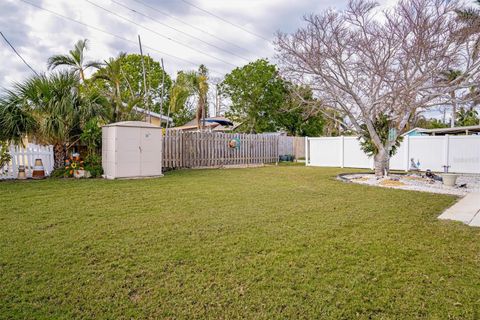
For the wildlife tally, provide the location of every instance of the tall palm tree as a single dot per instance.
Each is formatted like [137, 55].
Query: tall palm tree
[191, 85]
[448, 77]
[75, 60]
[112, 76]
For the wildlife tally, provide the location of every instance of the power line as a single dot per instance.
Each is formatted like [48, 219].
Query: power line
[111, 34]
[18, 54]
[177, 30]
[225, 20]
[189, 24]
[159, 34]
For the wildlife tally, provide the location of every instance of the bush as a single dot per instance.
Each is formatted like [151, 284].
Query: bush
[93, 164]
[96, 171]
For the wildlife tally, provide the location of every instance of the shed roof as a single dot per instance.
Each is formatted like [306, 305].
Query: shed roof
[134, 124]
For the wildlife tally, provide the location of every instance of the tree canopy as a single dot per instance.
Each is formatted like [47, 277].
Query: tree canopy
[256, 91]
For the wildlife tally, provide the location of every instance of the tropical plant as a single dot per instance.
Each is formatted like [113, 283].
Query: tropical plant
[470, 19]
[50, 109]
[75, 60]
[5, 155]
[382, 125]
[16, 117]
[191, 85]
[467, 117]
[91, 135]
[111, 77]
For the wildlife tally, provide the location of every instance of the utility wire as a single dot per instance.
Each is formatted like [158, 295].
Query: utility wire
[225, 20]
[18, 54]
[189, 24]
[177, 30]
[111, 34]
[159, 34]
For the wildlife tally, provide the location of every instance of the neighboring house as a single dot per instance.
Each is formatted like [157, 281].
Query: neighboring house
[212, 124]
[469, 130]
[152, 117]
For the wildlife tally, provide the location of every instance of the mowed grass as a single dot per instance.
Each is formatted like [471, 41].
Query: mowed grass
[263, 243]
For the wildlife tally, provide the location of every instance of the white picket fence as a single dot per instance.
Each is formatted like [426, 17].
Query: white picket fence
[26, 157]
[460, 153]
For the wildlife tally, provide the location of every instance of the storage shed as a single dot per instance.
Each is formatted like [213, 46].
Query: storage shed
[131, 149]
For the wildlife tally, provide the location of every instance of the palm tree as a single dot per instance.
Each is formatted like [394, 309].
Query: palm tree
[470, 18]
[16, 119]
[75, 60]
[112, 76]
[187, 85]
[467, 117]
[448, 77]
[52, 109]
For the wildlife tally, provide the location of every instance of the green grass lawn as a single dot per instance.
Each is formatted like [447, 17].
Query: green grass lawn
[275, 242]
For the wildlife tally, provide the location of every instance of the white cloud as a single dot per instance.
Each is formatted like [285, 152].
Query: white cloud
[38, 34]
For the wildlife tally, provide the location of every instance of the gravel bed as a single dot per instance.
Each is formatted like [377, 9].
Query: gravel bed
[418, 182]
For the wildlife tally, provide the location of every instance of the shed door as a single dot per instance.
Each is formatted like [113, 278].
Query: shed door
[128, 152]
[151, 152]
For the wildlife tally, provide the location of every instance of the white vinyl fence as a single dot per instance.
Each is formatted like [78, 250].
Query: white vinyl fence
[26, 156]
[460, 153]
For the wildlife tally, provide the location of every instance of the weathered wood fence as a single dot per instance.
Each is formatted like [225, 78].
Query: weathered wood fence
[207, 149]
[292, 146]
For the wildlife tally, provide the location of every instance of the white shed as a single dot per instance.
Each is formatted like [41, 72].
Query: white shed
[131, 149]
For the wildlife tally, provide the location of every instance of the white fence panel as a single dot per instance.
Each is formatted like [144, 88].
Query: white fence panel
[326, 152]
[353, 156]
[401, 161]
[26, 157]
[464, 154]
[461, 154]
[428, 151]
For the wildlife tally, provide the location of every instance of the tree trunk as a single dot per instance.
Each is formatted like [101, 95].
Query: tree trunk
[381, 163]
[59, 155]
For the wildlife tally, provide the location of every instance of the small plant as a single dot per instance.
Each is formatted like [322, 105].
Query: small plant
[5, 156]
[93, 164]
[92, 135]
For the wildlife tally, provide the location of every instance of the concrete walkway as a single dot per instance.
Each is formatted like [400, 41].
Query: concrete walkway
[467, 210]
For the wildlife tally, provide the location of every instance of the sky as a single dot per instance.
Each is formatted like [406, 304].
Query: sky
[186, 33]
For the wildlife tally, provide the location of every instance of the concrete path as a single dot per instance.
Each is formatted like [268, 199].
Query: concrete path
[467, 210]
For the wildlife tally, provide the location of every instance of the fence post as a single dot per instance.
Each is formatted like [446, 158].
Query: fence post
[446, 150]
[342, 151]
[407, 153]
[307, 152]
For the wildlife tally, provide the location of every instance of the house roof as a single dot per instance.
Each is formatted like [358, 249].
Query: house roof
[211, 123]
[453, 130]
[153, 114]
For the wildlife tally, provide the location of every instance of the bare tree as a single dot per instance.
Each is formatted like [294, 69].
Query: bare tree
[366, 64]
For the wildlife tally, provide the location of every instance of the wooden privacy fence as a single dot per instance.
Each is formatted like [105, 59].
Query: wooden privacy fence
[291, 146]
[208, 149]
